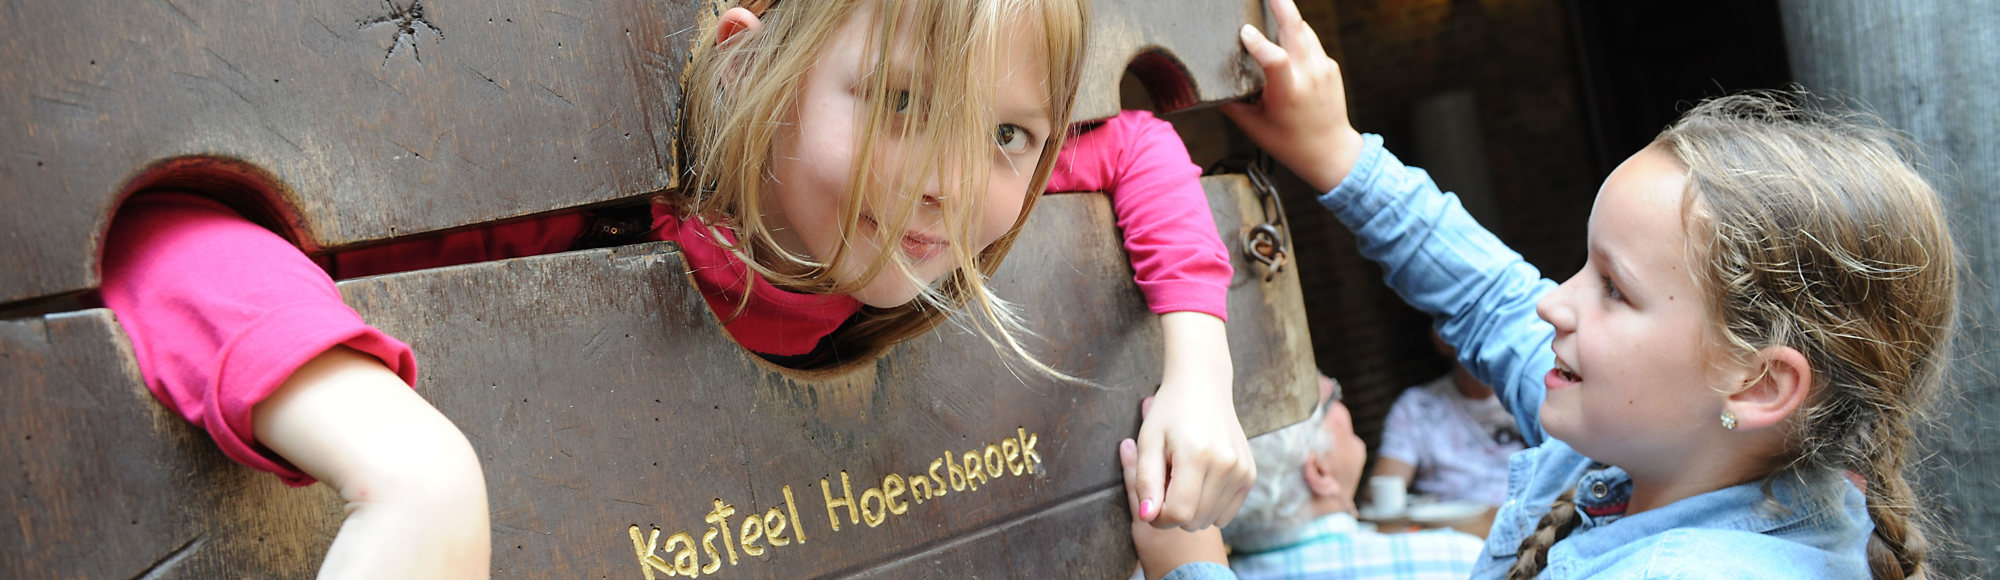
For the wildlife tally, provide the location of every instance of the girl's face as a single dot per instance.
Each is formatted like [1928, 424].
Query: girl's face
[1631, 383]
[814, 160]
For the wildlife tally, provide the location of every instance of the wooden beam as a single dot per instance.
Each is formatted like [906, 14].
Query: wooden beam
[605, 401]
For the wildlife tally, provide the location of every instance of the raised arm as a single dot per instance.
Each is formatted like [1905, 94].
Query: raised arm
[1431, 251]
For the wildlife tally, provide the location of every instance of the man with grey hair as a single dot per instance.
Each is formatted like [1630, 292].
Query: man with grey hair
[1298, 520]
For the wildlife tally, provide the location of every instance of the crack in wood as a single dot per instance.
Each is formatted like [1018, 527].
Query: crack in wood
[409, 20]
[166, 564]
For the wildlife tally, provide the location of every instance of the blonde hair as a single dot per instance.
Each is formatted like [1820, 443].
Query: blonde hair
[741, 93]
[1814, 231]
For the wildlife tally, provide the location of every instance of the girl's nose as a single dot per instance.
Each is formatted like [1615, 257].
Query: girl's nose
[1555, 308]
[932, 189]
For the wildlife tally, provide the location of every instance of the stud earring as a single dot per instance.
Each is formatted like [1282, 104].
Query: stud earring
[1729, 420]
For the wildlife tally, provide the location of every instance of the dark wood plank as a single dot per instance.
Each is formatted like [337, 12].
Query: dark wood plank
[1186, 53]
[104, 482]
[602, 395]
[1929, 69]
[363, 120]
[1269, 342]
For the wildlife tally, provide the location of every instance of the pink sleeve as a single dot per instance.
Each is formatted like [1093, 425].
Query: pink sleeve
[221, 311]
[1178, 260]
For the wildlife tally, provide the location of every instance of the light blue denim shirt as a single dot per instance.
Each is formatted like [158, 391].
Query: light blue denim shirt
[1809, 525]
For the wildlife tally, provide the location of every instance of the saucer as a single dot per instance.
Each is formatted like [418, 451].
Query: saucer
[1372, 513]
[1444, 512]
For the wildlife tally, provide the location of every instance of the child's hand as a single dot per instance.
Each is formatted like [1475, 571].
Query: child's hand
[1194, 465]
[1302, 117]
[1161, 551]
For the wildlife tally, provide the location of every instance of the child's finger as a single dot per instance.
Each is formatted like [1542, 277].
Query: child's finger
[1151, 475]
[1247, 116]
[1235, 505]
[1128, 463]
[1183, 495]
[1217, 489]
[1285, 14]
[1273, 59]
[1297, 37]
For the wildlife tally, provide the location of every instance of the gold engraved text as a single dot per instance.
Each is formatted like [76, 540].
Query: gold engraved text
[760, 533]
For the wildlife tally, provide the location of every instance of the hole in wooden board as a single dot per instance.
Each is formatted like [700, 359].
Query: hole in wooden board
[246, 188]
[1168, 85]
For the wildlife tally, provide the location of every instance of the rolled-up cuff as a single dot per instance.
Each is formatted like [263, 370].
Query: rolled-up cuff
[280, 342]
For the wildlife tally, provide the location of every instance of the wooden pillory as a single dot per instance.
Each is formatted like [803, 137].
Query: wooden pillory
[608, 407]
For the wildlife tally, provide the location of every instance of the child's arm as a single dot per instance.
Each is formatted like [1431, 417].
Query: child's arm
[1401, 432]
[1190, 442]
[1432, 252]
[238, 332]
[1195, 464]
[416, 501]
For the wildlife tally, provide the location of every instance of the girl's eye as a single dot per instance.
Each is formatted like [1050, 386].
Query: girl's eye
[1611, 290]
[902, 101]
[1011, 138]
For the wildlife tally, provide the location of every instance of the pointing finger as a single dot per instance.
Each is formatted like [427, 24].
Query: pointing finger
[1293, 33]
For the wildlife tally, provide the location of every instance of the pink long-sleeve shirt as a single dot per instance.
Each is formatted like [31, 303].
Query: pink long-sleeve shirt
[221, 311]
[1177, 258]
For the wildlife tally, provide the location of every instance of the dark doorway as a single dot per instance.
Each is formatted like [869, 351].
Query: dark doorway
[1645, 62]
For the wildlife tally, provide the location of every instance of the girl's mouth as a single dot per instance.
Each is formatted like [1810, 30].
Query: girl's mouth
[918, 247]
[1561, 377]
[921, 248]
[1566, 372]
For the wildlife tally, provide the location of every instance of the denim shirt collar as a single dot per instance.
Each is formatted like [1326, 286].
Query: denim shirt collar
[1819, 513]
[1796, 499]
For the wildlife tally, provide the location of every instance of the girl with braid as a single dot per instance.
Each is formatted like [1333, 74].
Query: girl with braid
[1728, 387]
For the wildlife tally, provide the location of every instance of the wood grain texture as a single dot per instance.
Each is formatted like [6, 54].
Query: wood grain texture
[360, 119]
[1186, 53]
[1932, 69]
[353, 121]
[601, 394]
[104, 482]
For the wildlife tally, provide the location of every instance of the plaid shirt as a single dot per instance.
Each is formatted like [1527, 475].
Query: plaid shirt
[1334, 547]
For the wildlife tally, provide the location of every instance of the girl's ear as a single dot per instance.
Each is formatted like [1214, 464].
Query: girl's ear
[1320, 477]
[1780, 390]
[736, 21]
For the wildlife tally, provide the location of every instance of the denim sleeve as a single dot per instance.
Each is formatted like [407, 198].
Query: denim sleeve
[1201, 571]
[1442, 262]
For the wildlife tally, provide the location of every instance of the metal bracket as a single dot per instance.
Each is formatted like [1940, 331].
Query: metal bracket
[1268, 243]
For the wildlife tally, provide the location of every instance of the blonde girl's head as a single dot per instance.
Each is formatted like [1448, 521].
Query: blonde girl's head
[885, 149]
[1815, 232]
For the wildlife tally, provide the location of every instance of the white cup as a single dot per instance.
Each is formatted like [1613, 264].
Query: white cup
[1388, 494]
